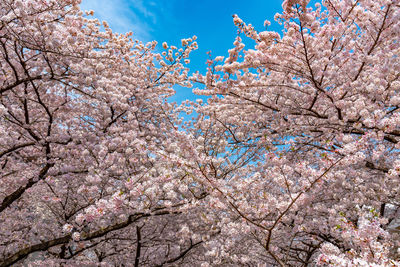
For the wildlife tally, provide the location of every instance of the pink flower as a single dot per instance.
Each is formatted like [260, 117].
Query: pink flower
[76, 236]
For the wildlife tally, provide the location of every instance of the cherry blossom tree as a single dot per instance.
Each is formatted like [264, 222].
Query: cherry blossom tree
[84, 128]
[293, 160]
[298, 145]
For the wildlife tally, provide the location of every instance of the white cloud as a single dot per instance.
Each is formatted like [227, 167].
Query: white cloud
[123, 16]
[142, 8]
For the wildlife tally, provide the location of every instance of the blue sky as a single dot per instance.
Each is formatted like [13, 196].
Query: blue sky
[172, 20]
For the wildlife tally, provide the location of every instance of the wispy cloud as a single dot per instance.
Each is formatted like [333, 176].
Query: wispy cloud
[125, 16]
[145, 10]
